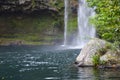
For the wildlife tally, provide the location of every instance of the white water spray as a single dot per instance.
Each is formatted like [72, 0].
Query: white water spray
[85, 30]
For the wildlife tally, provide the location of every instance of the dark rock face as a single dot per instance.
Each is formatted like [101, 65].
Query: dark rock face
[32, 5]
[108, 55]
[27, 5]
[74, 6]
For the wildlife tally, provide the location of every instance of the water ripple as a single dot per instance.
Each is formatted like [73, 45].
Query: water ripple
[51, 78]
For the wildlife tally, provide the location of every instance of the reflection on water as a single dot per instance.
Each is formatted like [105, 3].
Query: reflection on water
[47, 63]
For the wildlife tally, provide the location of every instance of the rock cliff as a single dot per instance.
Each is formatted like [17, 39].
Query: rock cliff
[30, 5]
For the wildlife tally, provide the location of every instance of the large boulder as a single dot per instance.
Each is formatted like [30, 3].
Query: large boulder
[106, 51]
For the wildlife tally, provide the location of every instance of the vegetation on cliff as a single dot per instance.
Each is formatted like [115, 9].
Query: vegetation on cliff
[107, 19]
[31, 21]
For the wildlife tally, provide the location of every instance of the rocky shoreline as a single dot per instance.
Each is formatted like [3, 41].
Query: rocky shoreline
[22, 43]
[98, 53]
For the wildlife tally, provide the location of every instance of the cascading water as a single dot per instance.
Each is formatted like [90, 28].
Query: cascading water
[65, 21]
[85, 30]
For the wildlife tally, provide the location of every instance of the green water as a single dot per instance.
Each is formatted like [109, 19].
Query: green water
[47, 63]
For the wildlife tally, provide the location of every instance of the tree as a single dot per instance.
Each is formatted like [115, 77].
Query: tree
[107, 19]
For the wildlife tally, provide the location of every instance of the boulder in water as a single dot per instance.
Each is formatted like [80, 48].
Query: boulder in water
[109, 56]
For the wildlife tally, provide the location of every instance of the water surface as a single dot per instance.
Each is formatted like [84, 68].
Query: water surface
[47, 63]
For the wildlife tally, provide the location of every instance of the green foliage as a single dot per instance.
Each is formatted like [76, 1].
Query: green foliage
[26, 23]
[96, 60]
[72, 24]
[58, 4]
[36, 21]
[107, 19]
[33, 3]
[31, 28]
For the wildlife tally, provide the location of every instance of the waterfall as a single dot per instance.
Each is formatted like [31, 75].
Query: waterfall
[65, 21]
[85, 30]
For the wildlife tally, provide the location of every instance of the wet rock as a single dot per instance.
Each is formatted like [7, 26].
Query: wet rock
[108, 54]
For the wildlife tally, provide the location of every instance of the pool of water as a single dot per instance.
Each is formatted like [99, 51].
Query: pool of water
[47, 63]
